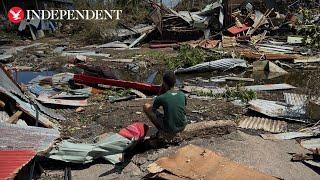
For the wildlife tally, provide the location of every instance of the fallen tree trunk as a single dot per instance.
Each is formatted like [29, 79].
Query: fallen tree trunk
[207, 125]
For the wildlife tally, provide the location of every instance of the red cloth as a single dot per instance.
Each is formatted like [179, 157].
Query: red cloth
[136, 131]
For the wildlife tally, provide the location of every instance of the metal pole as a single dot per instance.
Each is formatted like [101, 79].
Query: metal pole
[32, 169]
[4, 7]
[37, 4]
[67, 173]
[37, 115]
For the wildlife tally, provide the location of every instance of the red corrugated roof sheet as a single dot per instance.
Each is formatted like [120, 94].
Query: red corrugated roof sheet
[94, 81]
[12, 161]
[236, 30]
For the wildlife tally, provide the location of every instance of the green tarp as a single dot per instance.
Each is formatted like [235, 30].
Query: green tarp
[110, 148]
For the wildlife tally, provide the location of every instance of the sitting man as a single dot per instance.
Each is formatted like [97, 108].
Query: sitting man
[173, 120]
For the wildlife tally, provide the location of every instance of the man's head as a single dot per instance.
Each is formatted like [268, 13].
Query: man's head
[169, 79]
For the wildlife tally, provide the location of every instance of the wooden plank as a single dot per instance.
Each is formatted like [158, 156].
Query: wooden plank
[15, 117]
[46, 100]
[239, 79]
[307, 60]
[119, 60]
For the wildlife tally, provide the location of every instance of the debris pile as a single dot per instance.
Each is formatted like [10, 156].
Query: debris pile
[250, 66]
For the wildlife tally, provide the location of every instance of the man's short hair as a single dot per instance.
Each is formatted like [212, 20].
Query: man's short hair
[169, 78]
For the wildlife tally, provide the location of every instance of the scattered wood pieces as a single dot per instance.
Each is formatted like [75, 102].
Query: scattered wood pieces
[15, 117]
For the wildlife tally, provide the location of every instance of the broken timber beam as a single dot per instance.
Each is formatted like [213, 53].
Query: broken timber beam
[15, 117]
[207, 125]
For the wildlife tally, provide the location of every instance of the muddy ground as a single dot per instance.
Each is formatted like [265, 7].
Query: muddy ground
[101, 116]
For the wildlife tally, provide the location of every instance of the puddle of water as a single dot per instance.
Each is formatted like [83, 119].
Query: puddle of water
[26, 76]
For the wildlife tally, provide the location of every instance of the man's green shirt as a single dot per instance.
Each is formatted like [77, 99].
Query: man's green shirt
[173, 103]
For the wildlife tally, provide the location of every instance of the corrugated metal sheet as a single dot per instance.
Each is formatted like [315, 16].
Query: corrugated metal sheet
[222, 64]
[11, 89]
[295, 99]
[263, 124]
[298, 103]
[7, 83]
[50, 112]
[313, 163]
[28, 109]
[12, 161]
[110, 148]
[288, 135]
[17, 137]
[311, 144]
[276, 109]
[37, 90]
[269, 108]
[269, 87]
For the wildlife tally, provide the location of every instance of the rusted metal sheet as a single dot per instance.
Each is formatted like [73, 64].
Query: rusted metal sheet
[287, 135]
[268, 56]
[311, 144]
[11, 162]
[206, 43]
[276, 109]
[236, 30]
[269, 125]
[15, 137]
[194, 162]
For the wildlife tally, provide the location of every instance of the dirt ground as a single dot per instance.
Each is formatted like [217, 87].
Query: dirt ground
[101, 116]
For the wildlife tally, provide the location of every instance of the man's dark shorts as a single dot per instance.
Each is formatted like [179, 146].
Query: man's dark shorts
[160, 119]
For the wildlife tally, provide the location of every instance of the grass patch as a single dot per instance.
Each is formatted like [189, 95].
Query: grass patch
[156, 55]
[117, 92]
[206, 94]
[239, 93]
[187, 56]
[231, 93]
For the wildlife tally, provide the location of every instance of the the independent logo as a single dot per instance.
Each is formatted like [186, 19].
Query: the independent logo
[16, 15]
